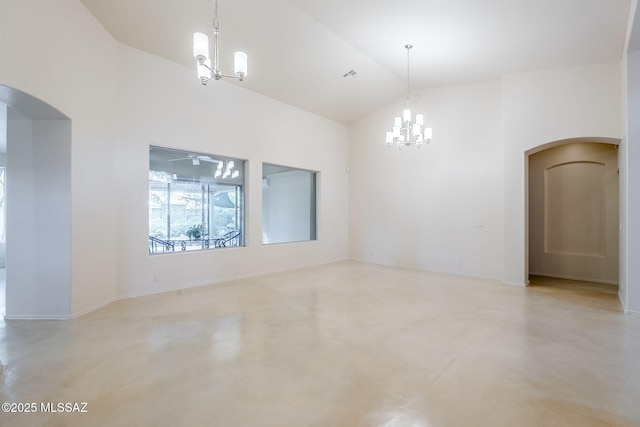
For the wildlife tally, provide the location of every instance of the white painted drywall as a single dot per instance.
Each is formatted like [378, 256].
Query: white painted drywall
[164, 104]
[540, 108]
[632, 189]
[438, 207]
[629, 250]
[38, 218]
[573, 212]
[68, 60]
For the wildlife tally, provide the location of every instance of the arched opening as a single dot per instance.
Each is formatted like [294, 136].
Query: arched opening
[572, 212]
[36, 143]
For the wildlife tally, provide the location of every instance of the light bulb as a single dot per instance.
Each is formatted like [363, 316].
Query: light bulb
[428, 133]
[240, 64]
[416, 129]
[200, 46]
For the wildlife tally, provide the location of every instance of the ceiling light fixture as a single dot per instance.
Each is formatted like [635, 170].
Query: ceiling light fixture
[406, 132]
[229, 171]
[201, 53]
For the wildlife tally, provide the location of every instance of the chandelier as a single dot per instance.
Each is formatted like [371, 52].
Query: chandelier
[206, 71]
[406, 132]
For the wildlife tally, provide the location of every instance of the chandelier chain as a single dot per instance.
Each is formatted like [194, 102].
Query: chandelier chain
[215, 16]
[408, 84]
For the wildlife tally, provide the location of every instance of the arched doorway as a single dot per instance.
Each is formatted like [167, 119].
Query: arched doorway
[573, 211]
[38, 207]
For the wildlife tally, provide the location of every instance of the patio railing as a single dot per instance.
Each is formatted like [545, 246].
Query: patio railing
[156, 245]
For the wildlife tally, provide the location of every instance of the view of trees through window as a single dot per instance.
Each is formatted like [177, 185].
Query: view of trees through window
[196, 201]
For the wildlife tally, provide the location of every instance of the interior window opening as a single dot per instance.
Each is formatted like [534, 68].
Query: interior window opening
[288, 204]
[196, 201]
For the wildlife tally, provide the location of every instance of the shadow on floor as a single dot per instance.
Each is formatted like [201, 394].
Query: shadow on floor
[593, 294]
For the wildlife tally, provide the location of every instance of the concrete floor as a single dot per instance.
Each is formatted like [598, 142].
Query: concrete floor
[345, 344]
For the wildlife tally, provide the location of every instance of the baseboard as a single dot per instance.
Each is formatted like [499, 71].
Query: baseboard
[61, 317]
[150, 292]
[467, 275]
[221, 280]
[428, 270]
[161, 291]
[32, 317]
[581, 279]
[519, 285]
[93, 308]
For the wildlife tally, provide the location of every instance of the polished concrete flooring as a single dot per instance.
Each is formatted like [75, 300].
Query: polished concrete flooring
[344, 344]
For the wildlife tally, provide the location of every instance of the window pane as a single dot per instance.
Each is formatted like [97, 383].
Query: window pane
[288, 204]
[195, 201]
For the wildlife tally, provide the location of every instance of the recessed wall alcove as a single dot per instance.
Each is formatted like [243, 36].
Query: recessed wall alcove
[573, 210]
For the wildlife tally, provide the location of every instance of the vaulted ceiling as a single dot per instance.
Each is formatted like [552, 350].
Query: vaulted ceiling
[300, 50]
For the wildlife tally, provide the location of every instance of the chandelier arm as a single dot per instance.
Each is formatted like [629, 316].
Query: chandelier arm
[217, 74]
[235, 76]
[205, 65]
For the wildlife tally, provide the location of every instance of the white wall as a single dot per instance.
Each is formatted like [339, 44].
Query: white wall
[162, 103]
[57, 52]
[542, 107]
[632, 189]
[439, 207]
[38, 218]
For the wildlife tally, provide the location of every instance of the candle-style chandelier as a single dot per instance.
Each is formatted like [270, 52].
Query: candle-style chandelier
[406, 132]
[206, 71]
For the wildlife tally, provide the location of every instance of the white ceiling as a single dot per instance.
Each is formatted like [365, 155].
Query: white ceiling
[299, 50]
